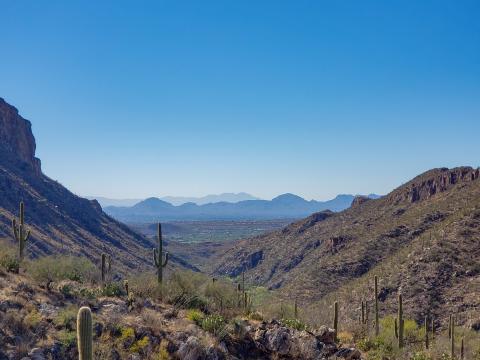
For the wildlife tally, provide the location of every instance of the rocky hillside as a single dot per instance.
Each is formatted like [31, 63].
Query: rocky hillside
[422, 238]
[36, 324]
[60, 221]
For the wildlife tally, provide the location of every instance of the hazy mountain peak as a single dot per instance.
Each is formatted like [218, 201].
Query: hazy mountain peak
[288, 197]
[211, 198]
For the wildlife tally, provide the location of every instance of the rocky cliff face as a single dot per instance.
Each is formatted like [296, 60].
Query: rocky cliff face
[16, 136]
[60, 222]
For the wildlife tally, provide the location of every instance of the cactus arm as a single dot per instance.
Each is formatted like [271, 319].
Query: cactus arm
[15, 229]
[27, 236]
[166, 260]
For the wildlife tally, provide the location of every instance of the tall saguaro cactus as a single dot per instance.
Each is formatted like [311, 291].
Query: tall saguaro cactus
[84, 334]
[335, 318]
[400, 321]
[425, 326]
[377, 325]
[158, 256]
[363, 313]
[452, 336]
[20, 233]
[106, 266]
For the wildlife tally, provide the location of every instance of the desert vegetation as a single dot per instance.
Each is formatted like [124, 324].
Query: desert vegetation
[72, 305]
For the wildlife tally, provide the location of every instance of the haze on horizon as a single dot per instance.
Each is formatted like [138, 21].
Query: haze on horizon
[188, 99]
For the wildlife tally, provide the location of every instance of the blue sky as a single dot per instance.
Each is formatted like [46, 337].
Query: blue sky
[133, 99]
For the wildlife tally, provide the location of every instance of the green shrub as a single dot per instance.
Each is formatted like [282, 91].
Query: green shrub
[195, 315]
[214, 324]
[127, 333]
[88, 293]
[113, 289]
[294, 324]
[32, 319]
[140, 345]
[67, 338]
[420, 356]
[66, 318]
[8, 257]
[256, 316]
[66, 290]
[144, 286]
[50, 269]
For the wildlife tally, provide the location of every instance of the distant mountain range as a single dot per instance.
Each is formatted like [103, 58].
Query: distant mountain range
[213, 198]
[178, 200]
[286, 206]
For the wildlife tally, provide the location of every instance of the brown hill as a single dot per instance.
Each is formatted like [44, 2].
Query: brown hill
[422, 238]
[61, 222]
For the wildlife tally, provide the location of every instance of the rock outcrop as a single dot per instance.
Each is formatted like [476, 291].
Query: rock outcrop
[60, 221]
[16, 136]
[359, 200]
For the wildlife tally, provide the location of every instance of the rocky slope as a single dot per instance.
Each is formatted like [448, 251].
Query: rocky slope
[61, 222]
[36, 324]
[423, 239]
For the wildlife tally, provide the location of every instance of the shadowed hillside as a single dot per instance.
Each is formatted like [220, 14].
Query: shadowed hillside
[61, 222]
[423, 237]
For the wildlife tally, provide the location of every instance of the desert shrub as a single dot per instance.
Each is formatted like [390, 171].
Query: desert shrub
[67, 338]
[140, 345]
[273, 309]
[144, 286]
[162, 351]
[195, 315]
[420, 355]
[8, 257]
[345, 337]
[294, 324]
[88, 293]
[151, 318]
[49, 269]
[239, 328]
[113, 289]
[32, 319]
[256, 316]
[66, 290]
[183, 284]
[376, 348]
[66, 318]
[221, 295]
[214, 324]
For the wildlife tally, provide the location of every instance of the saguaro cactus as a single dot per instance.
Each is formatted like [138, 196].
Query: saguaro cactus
[335, 318]
[450, 327]
[106, 266]
[452, 336]
[400, 321]
[84, 334]
[158, 256]
[396, 328]
[125, 285]
[295, 309]
[433, 328]
[462, 350]
[20, 233]
[363, 312]
[377, 325]
[425, 326]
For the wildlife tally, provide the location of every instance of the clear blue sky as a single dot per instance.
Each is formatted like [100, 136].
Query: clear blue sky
[138, 98]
